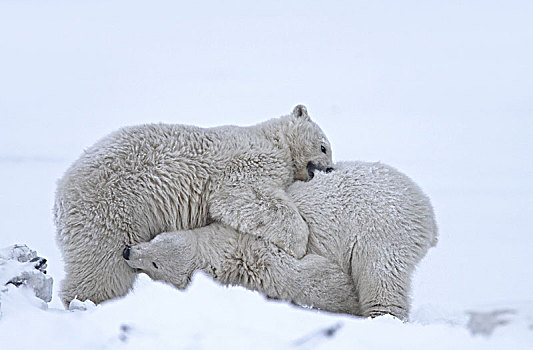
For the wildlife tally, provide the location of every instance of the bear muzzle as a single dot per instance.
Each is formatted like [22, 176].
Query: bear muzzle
[312, 167]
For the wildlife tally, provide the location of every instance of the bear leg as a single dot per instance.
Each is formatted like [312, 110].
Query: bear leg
[382, 281]
[263, 211]
[96, 276]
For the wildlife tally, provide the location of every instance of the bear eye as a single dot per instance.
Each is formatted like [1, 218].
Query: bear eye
[155, 265]
[323, 149]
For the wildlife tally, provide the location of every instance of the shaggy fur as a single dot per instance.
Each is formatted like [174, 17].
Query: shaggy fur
[369, 227]
[144, 180]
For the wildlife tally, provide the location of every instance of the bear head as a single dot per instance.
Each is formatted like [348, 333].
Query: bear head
[168, 257]
[309, 146]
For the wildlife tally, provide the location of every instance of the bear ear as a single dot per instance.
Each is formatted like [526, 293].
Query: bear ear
[300, 111]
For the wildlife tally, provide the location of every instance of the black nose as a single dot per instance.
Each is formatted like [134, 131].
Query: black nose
[311, 170]
[126, 253]
[329, 170]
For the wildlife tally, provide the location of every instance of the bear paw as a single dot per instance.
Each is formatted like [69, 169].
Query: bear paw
[293, 242]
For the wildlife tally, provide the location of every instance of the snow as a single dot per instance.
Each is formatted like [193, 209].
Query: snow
[208, 316]
[21, 267]
[441, 90]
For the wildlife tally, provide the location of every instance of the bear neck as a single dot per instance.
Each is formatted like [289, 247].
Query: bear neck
[277, 131]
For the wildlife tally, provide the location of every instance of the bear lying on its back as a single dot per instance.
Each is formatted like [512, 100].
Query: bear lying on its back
[144, 180]
[369, 227]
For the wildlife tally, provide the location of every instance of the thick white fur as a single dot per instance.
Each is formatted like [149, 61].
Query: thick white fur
[369, 226]
[144, 180]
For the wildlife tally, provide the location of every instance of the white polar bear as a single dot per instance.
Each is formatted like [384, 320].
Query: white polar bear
[369, 226]
[144, 180]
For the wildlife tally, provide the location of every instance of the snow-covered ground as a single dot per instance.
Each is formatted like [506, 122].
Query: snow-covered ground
[442, 90]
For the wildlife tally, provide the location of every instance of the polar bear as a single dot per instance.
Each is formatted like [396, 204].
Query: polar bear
[144, 180]
[369, 226]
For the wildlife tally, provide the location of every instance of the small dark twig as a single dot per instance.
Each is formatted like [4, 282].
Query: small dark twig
[322, 333]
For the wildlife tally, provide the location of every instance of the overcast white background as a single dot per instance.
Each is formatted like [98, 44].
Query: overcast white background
[442, 90]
